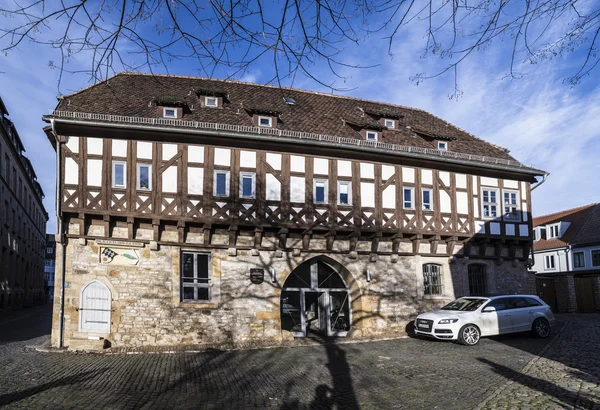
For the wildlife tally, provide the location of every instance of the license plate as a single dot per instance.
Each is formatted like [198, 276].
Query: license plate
[422, 325]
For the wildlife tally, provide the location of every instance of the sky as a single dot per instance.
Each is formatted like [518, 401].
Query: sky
[540, 119]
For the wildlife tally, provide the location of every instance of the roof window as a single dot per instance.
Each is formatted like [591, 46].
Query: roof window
[442, 145]
[211, 101]
[289, 100]
[265, 121]
[169, 112]
[372, 135]
[390, 123]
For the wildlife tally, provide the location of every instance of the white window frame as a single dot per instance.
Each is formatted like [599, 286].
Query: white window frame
[349, 185]
[489, 203]
[442, 145]
[423, 190]
[536, 234]
[375, 133]
[516, 207]
[412, 197]
[261, 117]
[227, 182]
[114, 164]
[326, 190]
[169, 109]
[547, 260]
[247, 175]
[137, 179]
[207, 99]
[194, 281]
[549, 231]
[392, 122]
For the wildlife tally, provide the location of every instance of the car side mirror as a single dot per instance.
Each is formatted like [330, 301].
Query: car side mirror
[489, 309]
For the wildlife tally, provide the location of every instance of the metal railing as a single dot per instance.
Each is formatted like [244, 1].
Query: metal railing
[168, 122]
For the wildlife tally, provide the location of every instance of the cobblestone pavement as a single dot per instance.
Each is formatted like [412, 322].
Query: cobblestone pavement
[394, 374]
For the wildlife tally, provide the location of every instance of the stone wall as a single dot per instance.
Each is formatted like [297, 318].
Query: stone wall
[566, 300]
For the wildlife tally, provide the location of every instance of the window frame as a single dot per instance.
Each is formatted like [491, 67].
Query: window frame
[489, 203]
[207, 285]
[137, 179]
[215, 99]
[547, 259]
[325, 190]
[227, 182]
[593, 253]
[578, 259]
[549, 231]
[262, 117]
[349, 185]
[393, 122]
[431, 270]
[375, 133]
[423, 190]
[169, 109]
[444, 144]
[412, 197]
[114, 184]
[517, 208]
[252, 175]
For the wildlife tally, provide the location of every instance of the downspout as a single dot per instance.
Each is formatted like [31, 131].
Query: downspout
[542, 181]
[61, 238]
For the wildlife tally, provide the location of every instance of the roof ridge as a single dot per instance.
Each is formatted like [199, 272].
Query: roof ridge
[567, 211]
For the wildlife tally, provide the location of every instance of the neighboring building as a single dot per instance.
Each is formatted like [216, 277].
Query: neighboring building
[22, 223]
[201, 211]
[567, 258]
[49, 263]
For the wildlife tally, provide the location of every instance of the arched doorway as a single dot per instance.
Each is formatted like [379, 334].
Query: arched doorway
[95, 308]
[315, 299]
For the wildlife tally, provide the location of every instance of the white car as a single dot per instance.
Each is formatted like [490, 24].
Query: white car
[469, 318]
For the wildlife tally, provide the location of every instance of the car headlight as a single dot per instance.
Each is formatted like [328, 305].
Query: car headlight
[447, 321]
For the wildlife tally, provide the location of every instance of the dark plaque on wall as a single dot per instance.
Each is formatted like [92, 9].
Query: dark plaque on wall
[257, 276]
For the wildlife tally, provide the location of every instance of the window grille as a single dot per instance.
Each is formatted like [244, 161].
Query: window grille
[432, 279]
[477, 280]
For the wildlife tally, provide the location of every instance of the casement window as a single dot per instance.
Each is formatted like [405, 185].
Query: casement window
[265, 121]
[221, 187]
[596, 258]
[408, 196]
[247, 184]
[432, 279]
[320, 191]
[549, 262]
[344, 193]
[390, 124]
[119, 172]
[442, 145]
[427, 197]
[211, 102]
[511, 209]
[578, 260]
[489, 203]
[372, 135]
[195, 277]
[169, 112]
[144, 177]
[553, 231]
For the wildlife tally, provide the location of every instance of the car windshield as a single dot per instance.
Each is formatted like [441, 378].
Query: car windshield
[465, 305]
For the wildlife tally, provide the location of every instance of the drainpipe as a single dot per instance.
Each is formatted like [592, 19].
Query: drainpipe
[542, 181]
[61, 238]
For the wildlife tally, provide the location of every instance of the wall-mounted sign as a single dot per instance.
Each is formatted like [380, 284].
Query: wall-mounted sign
[116, 256]
[257, 276]
[122, 244]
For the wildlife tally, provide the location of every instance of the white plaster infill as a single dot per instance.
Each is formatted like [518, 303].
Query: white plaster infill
[449, 156]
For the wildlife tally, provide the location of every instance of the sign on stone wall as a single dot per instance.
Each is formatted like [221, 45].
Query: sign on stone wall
[257, 276]
[118, 256]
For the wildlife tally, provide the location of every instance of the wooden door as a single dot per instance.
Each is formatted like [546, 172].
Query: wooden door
[584, 294]
[95, 308]
[547, 292]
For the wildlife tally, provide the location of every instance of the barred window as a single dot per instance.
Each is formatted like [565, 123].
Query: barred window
[432, 279]
[477, 280]
[195, 278]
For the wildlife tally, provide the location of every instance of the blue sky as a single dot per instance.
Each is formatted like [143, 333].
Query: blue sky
[541, 120]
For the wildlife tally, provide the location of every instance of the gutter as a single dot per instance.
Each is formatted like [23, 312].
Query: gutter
[300, 141]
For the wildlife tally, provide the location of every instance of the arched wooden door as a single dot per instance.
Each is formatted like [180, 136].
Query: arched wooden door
[95, 308]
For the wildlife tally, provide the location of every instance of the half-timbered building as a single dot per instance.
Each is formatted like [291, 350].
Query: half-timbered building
[198, 211]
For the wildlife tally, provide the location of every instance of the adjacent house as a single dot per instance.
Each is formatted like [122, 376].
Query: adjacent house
[198, 211]
[567, 258]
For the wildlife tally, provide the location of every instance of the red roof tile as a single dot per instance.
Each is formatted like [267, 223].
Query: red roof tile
[575, 217]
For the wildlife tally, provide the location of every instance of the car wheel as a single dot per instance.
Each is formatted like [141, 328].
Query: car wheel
[540, 327]
[469, 335]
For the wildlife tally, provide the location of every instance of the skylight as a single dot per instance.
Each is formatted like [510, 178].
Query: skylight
[289, 100]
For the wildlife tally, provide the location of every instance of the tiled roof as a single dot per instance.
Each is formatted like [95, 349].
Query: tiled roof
[134, 95]
[590, 229]
[576, 216]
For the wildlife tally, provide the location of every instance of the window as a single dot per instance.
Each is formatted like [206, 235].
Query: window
[390, 123]
[265, 121]
[289, 100]
[432, 279]
[489, 203]
[578, 260]
[549, 262]
[535, 234]
[211, 101]
[371, 135]
[477, 280]
[49, 250]
[320, 191]
[408, 198]
[427, 196]
[511, 209]
[144, 176]
[118, 174]
[195, 278]
[170, 112]
[595, 258]
[221, 183]
[344, 193]
[247, 184]
[442, 145]
[553, 231]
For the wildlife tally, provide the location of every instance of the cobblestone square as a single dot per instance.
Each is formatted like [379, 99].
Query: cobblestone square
[502, 372]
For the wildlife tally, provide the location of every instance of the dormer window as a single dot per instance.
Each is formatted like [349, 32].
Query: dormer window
[442, 145]
[553, 231]
[372, 135]
[390, 123]
[265, 121]
[169, 112]
[211, 101]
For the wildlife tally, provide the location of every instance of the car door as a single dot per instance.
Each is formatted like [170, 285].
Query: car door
[497, 322]
[520, 314]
